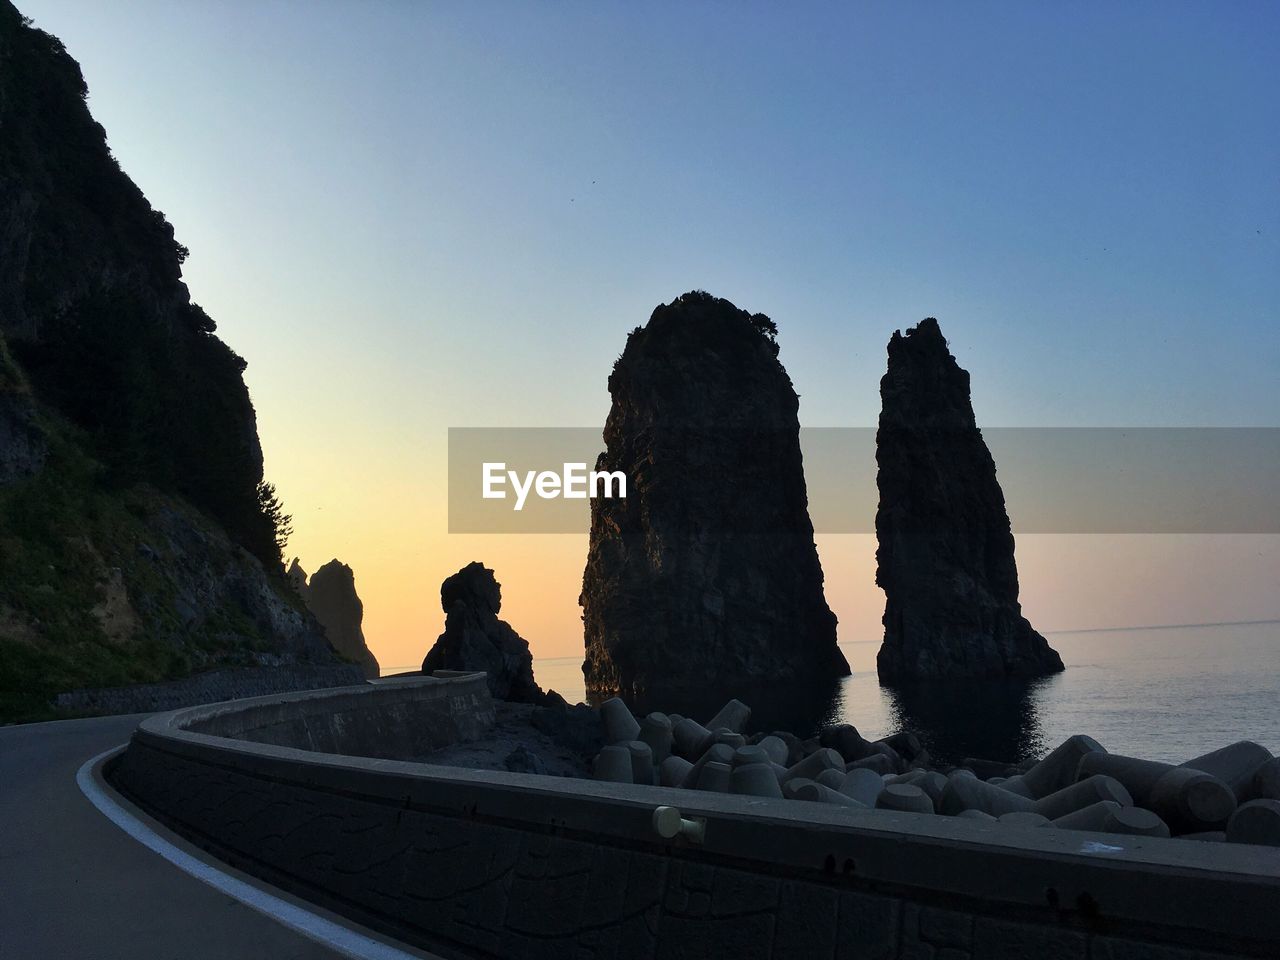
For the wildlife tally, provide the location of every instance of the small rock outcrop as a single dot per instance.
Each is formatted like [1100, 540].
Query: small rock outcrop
[705, 577]
[331, 596]
[475, 639]
[945, 555]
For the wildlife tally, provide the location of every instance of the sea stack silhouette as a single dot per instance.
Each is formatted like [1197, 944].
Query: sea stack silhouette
[331, 595]
[945, 550]
[704, 580]
[475, 639]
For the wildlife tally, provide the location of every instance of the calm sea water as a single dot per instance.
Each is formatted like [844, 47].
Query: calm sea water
[1164, 693]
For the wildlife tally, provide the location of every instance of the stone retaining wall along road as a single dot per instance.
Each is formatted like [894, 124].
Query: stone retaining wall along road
[475, 863]
[226, 683]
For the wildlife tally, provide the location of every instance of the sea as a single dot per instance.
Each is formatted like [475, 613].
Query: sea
[1162, 693]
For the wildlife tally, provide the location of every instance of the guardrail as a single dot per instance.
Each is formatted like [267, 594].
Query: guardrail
[475, 863]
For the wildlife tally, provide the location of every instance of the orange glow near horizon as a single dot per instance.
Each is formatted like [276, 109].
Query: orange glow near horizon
[1068, 582]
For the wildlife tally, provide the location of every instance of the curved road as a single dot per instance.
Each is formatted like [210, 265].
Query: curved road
[74, 885]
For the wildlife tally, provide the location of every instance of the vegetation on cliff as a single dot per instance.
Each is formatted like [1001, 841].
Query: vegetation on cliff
[138, 540]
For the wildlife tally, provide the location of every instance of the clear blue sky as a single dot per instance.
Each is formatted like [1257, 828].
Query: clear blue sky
[409, 216]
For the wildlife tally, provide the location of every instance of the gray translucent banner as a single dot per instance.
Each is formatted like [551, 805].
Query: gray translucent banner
[1055, 479]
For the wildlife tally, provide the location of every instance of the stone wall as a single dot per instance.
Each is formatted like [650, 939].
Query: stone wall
[473, 863]
[230, 683]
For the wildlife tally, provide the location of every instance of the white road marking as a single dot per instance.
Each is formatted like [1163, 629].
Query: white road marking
[336, 937]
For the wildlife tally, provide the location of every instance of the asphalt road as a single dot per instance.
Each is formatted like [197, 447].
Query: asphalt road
[73, 885]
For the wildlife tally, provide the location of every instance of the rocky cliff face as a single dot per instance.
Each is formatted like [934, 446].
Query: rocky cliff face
[475, 639]
[23, 446]
[331, 596]
[93, 305]
[945, 556]
[705, 577]
[134, 546]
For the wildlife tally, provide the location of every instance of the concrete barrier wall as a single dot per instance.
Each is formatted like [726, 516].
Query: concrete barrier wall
[474, 863]
[226, 683]
[394, 718]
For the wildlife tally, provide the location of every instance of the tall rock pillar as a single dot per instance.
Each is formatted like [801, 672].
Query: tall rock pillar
[705, 579]
[945, 548]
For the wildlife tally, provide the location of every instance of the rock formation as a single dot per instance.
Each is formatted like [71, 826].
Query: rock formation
[705, 579]
[475, 639]
[331, 596]
[136, 546]
[93, 305]
[945, 555]
[22, 442]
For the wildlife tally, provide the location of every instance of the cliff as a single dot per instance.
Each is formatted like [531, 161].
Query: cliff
[705, 578]
[137, 542]
[945, 558]
[94, 309]
[475, 639]
[331, 596]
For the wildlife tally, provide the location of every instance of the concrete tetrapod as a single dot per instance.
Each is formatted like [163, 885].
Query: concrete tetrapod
[1059, 768]
[1188, 800]
[862, 785]
[986, 769]
[1081, 794]
[655, 730]
[975, 815]
[970, 793]
[674, 771]
[845, 739]
[1107, 816]
[776, 748]
[619, 725]
[729, 738]
[1257, 821]
[1235, 765]
[690, 739]
[906, 744]
[816, 792]
[1266, 782]
[733, 716]
[715, 777]
[716, 753]
[1017, 784]
[904, 797]
[878, 762]
[831, 778]
[613, 763]
[931, 782]
[793, 786]
[755, 779]
[641, 761]
[750, 754]
[814, 764]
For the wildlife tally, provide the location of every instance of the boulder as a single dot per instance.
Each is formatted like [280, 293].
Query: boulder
[475, 639]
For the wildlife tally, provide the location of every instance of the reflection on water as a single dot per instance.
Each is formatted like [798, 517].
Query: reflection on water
[992, 719]
[1161, 693]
